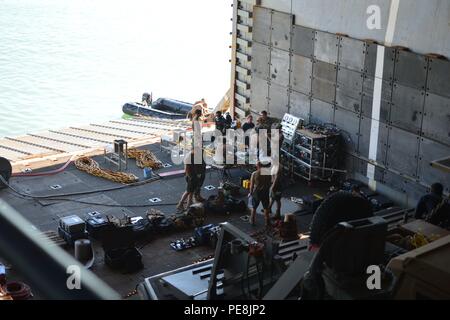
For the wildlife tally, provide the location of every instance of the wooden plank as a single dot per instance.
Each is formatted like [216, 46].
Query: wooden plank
[163, 121]
[151, 130]
[25, 148]
[136, 127]
[127, 129]
[60, 146]
[76, 134]
[78, 141]
[107, 131]
[153, 125]
[106, 138]
[11, 155]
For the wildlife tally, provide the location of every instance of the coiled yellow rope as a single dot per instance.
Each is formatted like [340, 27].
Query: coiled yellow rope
[145, 159]
[92, 167]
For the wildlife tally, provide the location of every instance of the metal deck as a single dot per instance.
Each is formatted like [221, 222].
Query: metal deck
[158, 257]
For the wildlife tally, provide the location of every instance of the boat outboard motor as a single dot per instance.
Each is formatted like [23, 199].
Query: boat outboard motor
[5, 171]
[147, 98]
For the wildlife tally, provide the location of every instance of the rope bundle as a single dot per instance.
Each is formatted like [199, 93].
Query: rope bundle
[90, 166]
[144, 159]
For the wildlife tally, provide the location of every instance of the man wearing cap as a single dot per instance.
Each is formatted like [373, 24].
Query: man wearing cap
[263, 122]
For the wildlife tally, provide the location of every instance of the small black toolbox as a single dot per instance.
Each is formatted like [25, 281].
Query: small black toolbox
[97, 224]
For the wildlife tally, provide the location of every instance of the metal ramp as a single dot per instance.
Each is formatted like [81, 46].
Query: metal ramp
[65, 142]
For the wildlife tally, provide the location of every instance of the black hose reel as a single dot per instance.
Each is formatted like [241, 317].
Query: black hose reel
[5, 171]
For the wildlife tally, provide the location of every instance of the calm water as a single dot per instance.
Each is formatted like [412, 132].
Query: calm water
[69, 62]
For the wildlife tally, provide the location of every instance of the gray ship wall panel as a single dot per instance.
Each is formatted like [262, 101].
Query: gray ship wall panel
[259, 94]
[436, 119]
[324, 90]
[349, 89]
[356, 166]
[385, 108]
[279, 67]
[350, 81]
[300, 105]
[364, 140]
[439, 77]
[403, 151]
[301, 73]
[350, 164]
[281, 30]
[337, 85]
[371, 60]
[352, 54]
[326, 47]
[398, 189]
[386, 90]
[262, 25]
[414, 192]
[321, 112]
[278, 100]
[407, 108]
[386, 99]
[324, 71]
[303, 41]
[260, 61]
[411, 70]
[430, 151]
[348, 102]
[394, 181]
[349, 123]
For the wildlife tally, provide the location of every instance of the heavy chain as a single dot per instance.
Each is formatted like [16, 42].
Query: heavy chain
[92, 167]
[144, 159]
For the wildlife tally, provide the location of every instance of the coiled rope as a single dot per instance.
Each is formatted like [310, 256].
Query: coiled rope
[92, 167]
[145, 159]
